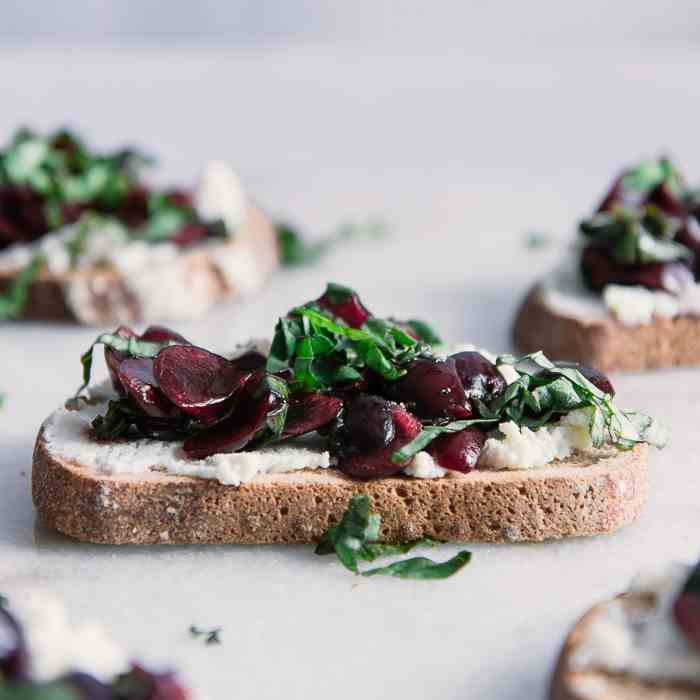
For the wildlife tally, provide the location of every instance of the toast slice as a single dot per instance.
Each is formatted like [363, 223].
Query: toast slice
[107, 300]
[590, 494]
[570, 683]
[606, 343]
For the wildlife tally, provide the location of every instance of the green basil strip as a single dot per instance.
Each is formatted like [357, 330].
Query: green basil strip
[130, 346]
[13, 302]
[423, 568]
[424, 332]
[353, 540]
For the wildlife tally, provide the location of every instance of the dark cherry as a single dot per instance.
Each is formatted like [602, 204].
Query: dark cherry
[197, 381]
[594, 376]
[480, 377]
[161, 334]
[367, 425]
[141, 684]
[113, 359]
[86, 687]
[160, 428]
[189, 234]
[233, 433]
[351, 441]
[349, 308]
[133, 209]
[14, 658]
[308, 412]
[136, 377]
[431, 389]
[21, 215]
[599, 269]
[686, 609]
[663, 198]
[458, 451]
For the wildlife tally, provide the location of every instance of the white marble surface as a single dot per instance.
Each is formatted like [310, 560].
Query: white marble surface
[462, 154]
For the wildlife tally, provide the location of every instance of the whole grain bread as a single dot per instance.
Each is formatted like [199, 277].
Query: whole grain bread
[110, 301]
[606, 344]
[571, 683]
[591, 494]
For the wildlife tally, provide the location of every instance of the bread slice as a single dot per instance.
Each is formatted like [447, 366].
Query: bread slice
[606, 344]
[572, 684]
[109, 300]
[591, 494]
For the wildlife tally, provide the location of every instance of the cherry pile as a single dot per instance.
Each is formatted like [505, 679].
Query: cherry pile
[217, 405]
[683, 215]
[137, 684]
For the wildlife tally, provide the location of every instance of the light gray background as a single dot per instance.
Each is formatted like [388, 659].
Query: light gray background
[464, 125]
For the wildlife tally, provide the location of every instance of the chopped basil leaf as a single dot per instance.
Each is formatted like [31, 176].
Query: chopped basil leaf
[37, 691]
[424, 332]
[353, 541]
[131, 346]
[211, 636]
[534, 240]
[294, 250]
[422, 567]
[13, 302]
[648, 174]
[4, 602]
[115, 423]
[637, 236]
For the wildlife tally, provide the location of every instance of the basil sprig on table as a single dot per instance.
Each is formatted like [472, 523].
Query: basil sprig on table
[294, 250]
[354, 540]
[543, 393]
[637, 236]
[321, 351]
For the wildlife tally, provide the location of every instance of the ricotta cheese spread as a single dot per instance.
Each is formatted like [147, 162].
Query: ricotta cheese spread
[644, 643]
[563, 291]
[161, 280]
[523, 448]
[57, 645]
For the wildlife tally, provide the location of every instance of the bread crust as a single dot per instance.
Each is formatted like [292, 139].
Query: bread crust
[570, 684]
[606, 344]
[47, 296]
[593, 494]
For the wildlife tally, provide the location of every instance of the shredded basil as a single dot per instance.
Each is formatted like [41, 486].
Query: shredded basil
[353, 541]
[543, 393]
[14, 301]
[424, 331]
[37, 691]
[648, 174]
[211, 636]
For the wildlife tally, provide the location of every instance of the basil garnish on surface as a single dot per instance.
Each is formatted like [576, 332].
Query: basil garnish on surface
[211, 636]
[353, 541]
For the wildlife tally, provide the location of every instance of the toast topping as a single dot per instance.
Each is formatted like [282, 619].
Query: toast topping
[373, 391]
[44, 655]
[639, 636]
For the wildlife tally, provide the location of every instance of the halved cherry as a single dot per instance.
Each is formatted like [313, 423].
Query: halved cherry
[14, 657]
[248, 418]
[86, 687]
[686, 609]
[309, 412]
[371, 431]
[479, 376]
[136, 377]
[161, 334]
[113, 358]
[141, 684]
[460, 451]
[189, 234]
[251, 361]
[196, 380]
[345, 304]
[431, 389]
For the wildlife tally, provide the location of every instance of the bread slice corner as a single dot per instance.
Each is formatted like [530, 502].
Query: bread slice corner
[606, 344]
[570, 683]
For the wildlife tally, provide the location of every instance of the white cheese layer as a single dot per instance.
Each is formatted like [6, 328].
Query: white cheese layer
[522, 448]
[162, 280]
[57, 645]
[67, 435]
[645, 644]
[564, 293]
